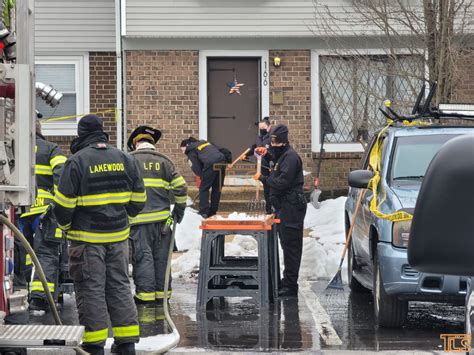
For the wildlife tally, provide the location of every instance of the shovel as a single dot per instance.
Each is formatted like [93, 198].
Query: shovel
[336, 281]
[257, 204]
[316, 193]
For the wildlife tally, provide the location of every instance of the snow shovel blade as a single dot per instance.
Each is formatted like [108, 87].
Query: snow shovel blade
[314, 198]
[336, 282]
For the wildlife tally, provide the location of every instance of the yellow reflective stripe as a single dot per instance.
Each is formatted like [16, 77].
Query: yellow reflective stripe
[138, 197]
[65, 227]
[43, 170]
[179, 181]
[58, 233]
[95, 336]
[125, 332]
[161, 294]
[145, 296]
[92, 237]
[104, 199]
[58, 159]
[38, 286]
[34, 210]
[28, 259]
[150, 182]
[181, 199]
[149, 217]
[55, 187]
[66, 202]
[44, 194]
[204, 145]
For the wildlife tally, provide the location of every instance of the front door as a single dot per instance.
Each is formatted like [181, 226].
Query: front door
[233, 102]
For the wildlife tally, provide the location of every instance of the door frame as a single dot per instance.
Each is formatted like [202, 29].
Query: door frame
[264, 81]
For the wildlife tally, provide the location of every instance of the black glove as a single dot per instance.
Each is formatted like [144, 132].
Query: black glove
[178, 213]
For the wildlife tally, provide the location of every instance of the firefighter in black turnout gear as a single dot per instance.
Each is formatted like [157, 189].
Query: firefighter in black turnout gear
[150, 234]
[286, 194]
[99, 189]
[38, 225]
[208, 162]
[264, 140]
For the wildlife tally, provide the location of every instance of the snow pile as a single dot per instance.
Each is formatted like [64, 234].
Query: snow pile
[321, 251]
[239, 216]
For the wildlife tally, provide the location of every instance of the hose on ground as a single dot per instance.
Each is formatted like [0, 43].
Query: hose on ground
[171, 324]
[36, 263]
[39, 270]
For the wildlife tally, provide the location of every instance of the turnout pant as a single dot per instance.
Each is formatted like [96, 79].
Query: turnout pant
[100, 275]
[211, 179]
[23, 265]
[47, 243]
[150, 260]
[291, 240]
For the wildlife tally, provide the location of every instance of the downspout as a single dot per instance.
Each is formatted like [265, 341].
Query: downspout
[119, 85]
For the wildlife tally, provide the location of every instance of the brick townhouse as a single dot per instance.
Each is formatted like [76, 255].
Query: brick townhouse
[178, 60]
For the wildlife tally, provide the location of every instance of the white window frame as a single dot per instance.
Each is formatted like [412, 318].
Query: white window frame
[316, 102]
[81, 63]
[265, 81]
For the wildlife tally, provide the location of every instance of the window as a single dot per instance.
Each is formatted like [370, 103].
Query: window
[352, 88]
[70, 75]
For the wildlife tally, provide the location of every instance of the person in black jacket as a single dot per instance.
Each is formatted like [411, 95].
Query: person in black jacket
[264, 140]
[286, 194]
[100, 188]
[209, 163]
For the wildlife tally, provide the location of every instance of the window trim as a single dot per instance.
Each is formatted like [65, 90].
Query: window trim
[81, 63]
[316, 102]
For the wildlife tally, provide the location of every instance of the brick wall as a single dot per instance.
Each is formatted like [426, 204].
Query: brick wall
[334, 170]
[162, 91]
[293, 78]
[102, 88]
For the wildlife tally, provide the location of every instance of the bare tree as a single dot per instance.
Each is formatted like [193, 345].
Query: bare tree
[435, 30]
[411, 36]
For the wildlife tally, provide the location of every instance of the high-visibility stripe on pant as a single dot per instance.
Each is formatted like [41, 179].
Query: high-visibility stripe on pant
[145, 296]
[28, 259]
[95, 336]
[161, 294]
[127, 331]
[38, 286]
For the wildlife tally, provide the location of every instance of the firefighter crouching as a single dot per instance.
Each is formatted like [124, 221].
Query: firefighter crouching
[286, 194]
[150, 233]
[99, 189]
[208, 162]
[47, 237]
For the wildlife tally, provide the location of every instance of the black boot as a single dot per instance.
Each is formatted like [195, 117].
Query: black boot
[123, 349]
[39, 304]
[93, 349]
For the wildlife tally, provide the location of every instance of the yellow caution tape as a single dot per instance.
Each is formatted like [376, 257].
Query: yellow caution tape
[62, 118]
[375, 164]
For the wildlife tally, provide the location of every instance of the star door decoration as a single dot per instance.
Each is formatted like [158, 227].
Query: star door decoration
[235, 87]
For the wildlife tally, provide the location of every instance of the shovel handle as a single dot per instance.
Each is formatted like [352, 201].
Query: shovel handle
[239, 158]
[257, 183]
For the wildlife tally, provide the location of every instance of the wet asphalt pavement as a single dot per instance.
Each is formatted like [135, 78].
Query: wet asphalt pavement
[291, 325]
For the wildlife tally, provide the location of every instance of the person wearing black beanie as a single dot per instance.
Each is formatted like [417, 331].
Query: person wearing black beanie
[100, 189]
[286, 195]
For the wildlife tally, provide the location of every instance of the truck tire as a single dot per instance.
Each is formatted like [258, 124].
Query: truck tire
[389, 311]
[354, 284]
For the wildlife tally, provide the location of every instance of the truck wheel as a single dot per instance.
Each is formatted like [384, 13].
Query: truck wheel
[354, 285]
[390, 312]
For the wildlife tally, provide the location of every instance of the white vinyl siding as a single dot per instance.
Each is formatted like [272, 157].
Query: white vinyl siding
[70, 75]
[74, 26]
[226, 18]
